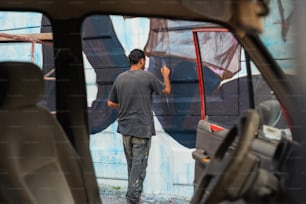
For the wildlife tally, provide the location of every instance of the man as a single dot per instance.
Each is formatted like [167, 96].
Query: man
[132, 95]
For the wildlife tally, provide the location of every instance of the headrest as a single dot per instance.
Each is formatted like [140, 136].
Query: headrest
[21, 84]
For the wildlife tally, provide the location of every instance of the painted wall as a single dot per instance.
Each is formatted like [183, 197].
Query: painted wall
[170, 170]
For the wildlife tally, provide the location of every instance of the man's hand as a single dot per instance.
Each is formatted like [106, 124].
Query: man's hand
[165, 71]
[112, 104]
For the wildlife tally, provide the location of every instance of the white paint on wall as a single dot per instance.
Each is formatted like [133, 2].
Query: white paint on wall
[170, 169]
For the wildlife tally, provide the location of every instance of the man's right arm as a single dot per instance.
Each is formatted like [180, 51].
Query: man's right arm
[165, 71]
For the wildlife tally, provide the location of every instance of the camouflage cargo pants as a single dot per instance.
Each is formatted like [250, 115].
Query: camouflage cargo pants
[136, 152]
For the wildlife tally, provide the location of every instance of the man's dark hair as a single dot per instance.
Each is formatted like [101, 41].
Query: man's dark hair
[135, 55]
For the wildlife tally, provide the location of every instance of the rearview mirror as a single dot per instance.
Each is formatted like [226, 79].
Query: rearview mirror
[243, 14]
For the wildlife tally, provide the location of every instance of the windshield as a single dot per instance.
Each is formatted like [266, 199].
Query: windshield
[278, 34]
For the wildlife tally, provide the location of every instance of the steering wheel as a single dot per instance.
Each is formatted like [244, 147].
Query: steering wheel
[226, 163]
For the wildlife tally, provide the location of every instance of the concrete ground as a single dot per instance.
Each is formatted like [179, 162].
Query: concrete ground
[111, 195]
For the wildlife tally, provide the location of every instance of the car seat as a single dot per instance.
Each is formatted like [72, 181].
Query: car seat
[38, 164]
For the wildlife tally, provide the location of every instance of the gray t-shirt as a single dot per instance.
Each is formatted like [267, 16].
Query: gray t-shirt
[133, 91]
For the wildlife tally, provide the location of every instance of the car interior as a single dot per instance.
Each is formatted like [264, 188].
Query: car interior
[248, 155]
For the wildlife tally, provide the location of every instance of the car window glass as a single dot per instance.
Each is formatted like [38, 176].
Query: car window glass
[176, 116]
[30, 40]
[235, 96]
[273, 124]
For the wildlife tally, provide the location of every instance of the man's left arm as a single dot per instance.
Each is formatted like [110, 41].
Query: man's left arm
[113, 98]
[112, 104]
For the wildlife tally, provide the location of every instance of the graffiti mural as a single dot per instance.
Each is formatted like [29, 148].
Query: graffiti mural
[285, 20]
[169, 42]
